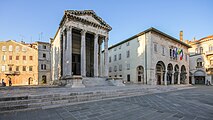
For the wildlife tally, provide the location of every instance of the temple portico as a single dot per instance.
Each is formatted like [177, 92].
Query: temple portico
[81, 36]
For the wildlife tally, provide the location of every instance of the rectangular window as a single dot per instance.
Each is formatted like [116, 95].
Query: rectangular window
[44, 55]
[10, 68]
[110, 69]
[17, 68]
[42, 67]
[17, 57]
[127, 54]
[3, 68]
[120, 67]
[44, 47]
[10, 48]
[163, 50]
[10, 57]
[120, 47]
[31, 57]
[115, 57]
[127, 44]
[115, 49]
[128, 66]
[24, 57]
[31, 68]
[24, 49]
[115, 68]
[120, 56]
[24, 68]
[155, 47]
[170, 53]
[3, 57]
[109, 59]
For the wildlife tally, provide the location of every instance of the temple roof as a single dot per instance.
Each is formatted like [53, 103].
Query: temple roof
[86, 16]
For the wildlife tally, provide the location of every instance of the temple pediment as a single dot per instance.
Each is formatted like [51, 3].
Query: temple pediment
[87, 17]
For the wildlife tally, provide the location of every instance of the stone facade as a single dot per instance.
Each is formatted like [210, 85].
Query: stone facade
[77, 46]
[44, 61]
[18, 63]
[201, 60]
[148, 57]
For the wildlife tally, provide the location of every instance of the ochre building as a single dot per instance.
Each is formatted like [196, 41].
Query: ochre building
[19, 63]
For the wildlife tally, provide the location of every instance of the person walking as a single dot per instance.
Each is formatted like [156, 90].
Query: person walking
[3, 83]
[10, 82]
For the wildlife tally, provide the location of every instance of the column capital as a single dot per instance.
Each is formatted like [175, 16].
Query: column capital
[96, 35]
[83, 32]
[69, 27]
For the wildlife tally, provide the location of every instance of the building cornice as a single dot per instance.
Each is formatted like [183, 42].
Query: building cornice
[150, 30]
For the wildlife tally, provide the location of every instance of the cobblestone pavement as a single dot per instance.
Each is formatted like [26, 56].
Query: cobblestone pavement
[188, 104]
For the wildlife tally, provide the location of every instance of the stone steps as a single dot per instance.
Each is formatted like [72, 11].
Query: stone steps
[94, 82]
[28, 102]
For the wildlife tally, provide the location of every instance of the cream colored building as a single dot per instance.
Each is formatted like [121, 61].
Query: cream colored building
[18, 63]
[77, 44]
[201, 60]
[150, 57]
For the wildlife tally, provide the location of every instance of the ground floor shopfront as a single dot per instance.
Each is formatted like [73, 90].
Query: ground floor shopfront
[200, 77]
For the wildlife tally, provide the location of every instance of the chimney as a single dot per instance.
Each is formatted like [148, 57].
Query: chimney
[181, 35]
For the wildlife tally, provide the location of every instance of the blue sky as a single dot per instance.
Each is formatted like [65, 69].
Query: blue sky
[27, 19]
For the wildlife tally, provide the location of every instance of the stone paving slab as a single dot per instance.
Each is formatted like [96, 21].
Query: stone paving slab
[173, 105]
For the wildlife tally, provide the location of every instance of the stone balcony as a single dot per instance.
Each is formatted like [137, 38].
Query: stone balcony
[12, 72]
[209, 53]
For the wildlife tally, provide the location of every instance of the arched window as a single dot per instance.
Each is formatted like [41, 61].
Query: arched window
[201, 50]
[44, 79]
[210, 47]
[199, 62]
[196, 51]
[10, 48]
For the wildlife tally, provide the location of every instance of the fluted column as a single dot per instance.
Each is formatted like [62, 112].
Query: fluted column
[96, 55]
[69, 51]
[106, 59]
[100, 60]
[64, 54]
[165, 78]
[83, 53]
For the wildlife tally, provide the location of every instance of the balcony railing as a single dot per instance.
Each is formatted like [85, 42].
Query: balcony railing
[209, 52]
[12, 72]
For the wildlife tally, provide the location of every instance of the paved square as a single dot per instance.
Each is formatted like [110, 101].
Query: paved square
[188, 104]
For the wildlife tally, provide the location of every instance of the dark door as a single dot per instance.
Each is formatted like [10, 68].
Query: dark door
[139, 78]
[128, 78]
[159, 80]
[76, 64]
[190, 80]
